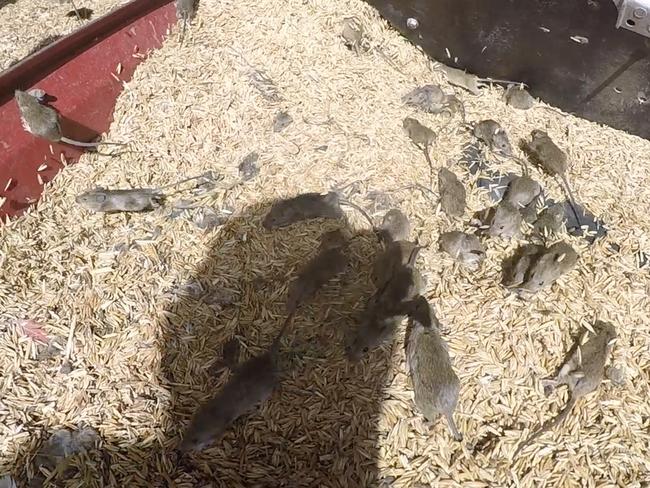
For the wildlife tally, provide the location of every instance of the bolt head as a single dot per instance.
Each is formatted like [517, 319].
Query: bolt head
[639, 13]
[412, 23]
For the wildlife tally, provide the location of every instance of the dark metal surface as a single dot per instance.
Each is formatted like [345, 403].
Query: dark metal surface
[606, 79]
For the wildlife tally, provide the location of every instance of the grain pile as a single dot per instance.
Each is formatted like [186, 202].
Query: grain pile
[26, 26]
[137, 307]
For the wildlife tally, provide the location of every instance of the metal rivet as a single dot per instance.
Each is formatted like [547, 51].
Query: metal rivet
[412, 23]
[640, 12]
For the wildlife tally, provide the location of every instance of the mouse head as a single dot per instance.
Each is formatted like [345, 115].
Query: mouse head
[500, 142]
[422, 312]
[408, 123]
[549, 267]
[92, 199]
[205, 428]
[538, 134]
[505, 221]
[395, 226]
[334, 239]
[372, 333]
[606, 329]
[281, 214]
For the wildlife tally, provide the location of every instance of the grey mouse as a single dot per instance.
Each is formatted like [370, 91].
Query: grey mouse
[429, 98]
[582, 373]
[554, 262]
[43, 121]
[330, 261]
[551, 159]
[251, 384]
[516, 267]
[421, 136]
[303, 207]
[464, 248]
[494, 136]
[395, 226]
[550, 220]
[435, 384]
[519, 98]
[131, 200]
[453, 197]
[505, 221]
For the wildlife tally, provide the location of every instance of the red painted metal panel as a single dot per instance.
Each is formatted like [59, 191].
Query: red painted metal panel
[80, 71]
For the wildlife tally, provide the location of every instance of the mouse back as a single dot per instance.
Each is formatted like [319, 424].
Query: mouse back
[435, 384]
[252, 383]
[303, 207]
[453, 196]
[373, 331]
[522, 191]
[37, 119]
[185, 9]
[551, 264]
[428, 98]
[546, 154]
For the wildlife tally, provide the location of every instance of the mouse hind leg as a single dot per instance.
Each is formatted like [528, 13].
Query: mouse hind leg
[452, 427]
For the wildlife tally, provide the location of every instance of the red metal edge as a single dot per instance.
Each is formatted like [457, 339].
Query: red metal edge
[81, 71]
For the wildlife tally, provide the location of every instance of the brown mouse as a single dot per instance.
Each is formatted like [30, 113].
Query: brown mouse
[303, 207]
[464, 248]
[554, 262]
[396, 254]
[504, 220]
[549, 157]
[330, 261]
[131, 200]
[582, 373]
[453, 196]
[435, 384]
[516, 267]
[421, 136]
[549, 221]
[519, 98]
[522, 190]
[185, 11]
[395, 226]
[43, 121]
[494, 136]
[251, 384]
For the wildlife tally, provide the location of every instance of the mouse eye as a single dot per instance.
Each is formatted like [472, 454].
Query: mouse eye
[501, 227]
[541, 283]
[365, 349]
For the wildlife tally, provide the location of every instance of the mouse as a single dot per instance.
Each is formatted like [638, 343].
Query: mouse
[453, 196]
[303, 207]
[464, 248]
[494, 136]
[504, 221]
[185, 11]
[396, 254]
[252, 383]
[547, 155]
[43, 121]
[436, 386]
[131, 200]
[330, 261]
[518, 97]
[549, 221]
[428, 98]
[386, 308]
[423, 137]
[522, 190]
[352, 33]
[470, 82]
[555, 261]
[582, 373]
[395, 226]
[515, 268]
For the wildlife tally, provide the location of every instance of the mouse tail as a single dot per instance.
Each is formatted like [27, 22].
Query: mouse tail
[572, 201]
[430, 163]
[289, 320]
[360, 210]
[452, 427]
[89, 144]
[559, 418]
